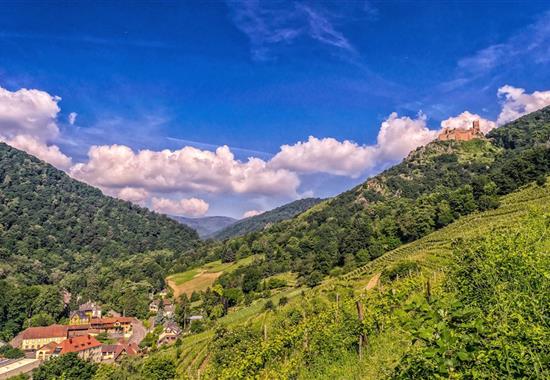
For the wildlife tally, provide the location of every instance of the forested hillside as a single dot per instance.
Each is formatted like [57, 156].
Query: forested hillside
[259, 222]
[435, 185]
[61, 233]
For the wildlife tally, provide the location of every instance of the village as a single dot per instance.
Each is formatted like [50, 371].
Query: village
[94, 335]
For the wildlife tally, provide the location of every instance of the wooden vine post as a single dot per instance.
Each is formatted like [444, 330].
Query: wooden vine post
[361, 336]
[337, 306]
[428, 291]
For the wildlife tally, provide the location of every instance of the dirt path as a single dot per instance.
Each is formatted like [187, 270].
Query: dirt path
[373, 282]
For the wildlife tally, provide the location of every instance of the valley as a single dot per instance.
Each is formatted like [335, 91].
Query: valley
[411, 274]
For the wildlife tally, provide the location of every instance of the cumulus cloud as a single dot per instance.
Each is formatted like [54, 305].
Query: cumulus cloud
[188, 207]
[396, 138]
[188, 169]
[465, 121]
[48, 153]
[399, 135]
[326, 155]
[28, 122]
[518, 103]
[132, 194]
[72, 118]
[251, 213]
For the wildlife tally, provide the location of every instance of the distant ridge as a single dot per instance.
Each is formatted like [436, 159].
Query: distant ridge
[207, 225]
[259, 222]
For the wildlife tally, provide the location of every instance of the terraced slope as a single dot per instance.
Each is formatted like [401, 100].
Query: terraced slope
[318, 313]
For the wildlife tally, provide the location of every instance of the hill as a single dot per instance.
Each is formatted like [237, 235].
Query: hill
[434, 186]
[440, 307]
[57, 233]
[259, 222]
[207, 225]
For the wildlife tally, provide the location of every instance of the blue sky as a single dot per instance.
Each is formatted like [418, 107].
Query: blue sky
[258, 75]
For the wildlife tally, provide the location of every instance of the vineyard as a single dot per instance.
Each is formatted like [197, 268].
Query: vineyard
[341, 330]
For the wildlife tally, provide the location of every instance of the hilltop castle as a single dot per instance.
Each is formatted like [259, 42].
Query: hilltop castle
[461, 134]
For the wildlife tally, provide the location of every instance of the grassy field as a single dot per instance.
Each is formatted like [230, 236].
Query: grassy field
[201, 278]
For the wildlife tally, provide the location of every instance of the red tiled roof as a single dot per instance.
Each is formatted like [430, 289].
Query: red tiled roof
[111, 320]
[106, 348]
[53, 331]
[79, 343]
[49, 347]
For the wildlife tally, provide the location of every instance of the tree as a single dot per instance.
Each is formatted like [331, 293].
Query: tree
[68, 366]
[158, 368]
[40, 319]
[183, 309]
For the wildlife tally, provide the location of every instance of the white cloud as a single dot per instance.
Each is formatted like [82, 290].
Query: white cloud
[28, 122]
[72, 118]
[465, 121]
[399, 135]
[48, 153]
[396, 138]
[188, 169]
[188, 207]
[251, 213]
[518, 103]
[326, 155]
[132, 194]
[28, 112]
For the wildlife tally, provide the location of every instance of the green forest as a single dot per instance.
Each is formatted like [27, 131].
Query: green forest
[59, 234]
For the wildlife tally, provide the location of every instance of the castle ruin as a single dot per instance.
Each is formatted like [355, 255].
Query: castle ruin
[461, 134]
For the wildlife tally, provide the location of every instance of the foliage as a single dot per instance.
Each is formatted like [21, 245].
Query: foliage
[493, 322]
[401, 269]
[68, 366]
[10, 352]
[158, 368]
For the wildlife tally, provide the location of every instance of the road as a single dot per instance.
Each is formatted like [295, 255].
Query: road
[138, 332]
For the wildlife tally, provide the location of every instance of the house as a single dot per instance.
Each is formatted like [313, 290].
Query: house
[79, 317]
[111, 353]
[33, 338]
[154, 306]
[86, 347]
[113, 325]
[169, 309]
[91, 308]
[46, 351]
[169, 334]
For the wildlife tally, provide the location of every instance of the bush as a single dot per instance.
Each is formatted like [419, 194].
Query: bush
[283, 300]
[10, 352]
[269, 305]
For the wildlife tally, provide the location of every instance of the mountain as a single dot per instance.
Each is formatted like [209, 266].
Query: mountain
[206, 226]
[58, 234]
[261, 221]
